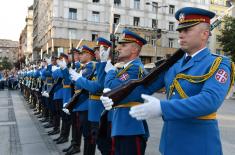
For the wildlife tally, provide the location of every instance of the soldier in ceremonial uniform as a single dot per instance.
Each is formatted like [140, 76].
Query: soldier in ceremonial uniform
[57, 96]
[67, 92]
[76, 135]
[196, 87]
[44, 87]
[81, 108]
[129, 135]
[49, 83]
[95, 87]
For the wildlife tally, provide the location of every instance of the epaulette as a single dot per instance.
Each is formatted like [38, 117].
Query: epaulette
[218, 55]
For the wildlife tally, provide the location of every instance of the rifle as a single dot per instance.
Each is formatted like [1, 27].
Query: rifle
[76, 96]
[124, 90]
[74, 100]
[103, 126]
[56, 86]
[73, 67]
[119, 93]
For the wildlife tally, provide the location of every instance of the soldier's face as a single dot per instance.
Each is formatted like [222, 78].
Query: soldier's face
[85, 57]
[124, 50]
[76, 56]
[97, 54]
[191, 39]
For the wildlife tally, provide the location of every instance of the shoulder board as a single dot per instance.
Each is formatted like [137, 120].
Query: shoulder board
[218, 55]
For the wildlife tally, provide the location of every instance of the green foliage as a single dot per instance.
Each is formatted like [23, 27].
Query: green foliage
[5, 64]
[227, 37]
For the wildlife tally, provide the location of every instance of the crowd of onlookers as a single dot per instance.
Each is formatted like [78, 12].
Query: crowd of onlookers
[9, 79]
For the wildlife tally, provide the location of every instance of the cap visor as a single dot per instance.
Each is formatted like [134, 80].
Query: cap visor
[186, 25]
[124, 41]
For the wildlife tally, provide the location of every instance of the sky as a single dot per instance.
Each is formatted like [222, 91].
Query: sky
[12, 18]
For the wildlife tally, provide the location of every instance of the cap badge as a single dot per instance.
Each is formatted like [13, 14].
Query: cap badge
[181, 17]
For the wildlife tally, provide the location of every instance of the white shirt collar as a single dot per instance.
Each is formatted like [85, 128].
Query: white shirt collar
[128, 63]
[195, 53]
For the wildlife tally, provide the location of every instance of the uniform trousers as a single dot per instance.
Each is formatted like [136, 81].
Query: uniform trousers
[128, 145]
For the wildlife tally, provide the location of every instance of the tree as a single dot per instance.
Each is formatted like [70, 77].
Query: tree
[227, 37]
[5, 64]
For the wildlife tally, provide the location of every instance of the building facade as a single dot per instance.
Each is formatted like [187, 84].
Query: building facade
[220, 7]
[26, 39]
[59, 23]
[8, 49]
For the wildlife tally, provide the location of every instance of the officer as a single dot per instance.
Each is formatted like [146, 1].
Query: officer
[76, 133]
[81, 108]
[49, 83]
[95, 87]
[129, 135]
[196, 88]
[45, 112]
[57, 101]
[67, 92]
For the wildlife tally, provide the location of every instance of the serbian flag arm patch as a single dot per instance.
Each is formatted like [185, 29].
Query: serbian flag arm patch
[221, 76]
[124, 77]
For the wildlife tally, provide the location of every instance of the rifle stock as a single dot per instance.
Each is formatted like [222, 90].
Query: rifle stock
[124, 90]
[76, 96]
[74, 100]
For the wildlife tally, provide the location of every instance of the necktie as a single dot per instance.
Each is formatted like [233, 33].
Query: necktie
[186, 60]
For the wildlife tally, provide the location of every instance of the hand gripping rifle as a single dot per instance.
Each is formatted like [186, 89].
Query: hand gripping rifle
[119, 93]
[74, 100]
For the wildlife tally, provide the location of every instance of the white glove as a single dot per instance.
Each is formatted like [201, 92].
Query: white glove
[107, 102]
[66, 111]
[109, 66]
[150, 109]
[62, 64]
[64, 105]
[104, 54]
[54, 68]
[37, 89]
[74, 74]
[45, 94]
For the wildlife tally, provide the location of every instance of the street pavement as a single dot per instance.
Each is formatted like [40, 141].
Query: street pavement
[22, 134]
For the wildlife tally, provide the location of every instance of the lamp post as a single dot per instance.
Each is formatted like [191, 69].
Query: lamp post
[156, 26]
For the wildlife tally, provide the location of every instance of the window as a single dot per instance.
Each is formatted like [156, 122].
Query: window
[203, 2]
[95, 16]
[154, 6]
[154, 23]
[217, 2]
[137, 4]
[72, 13]
[145, 59]
[147, 38]
[171, 26]
[171, 42]
[117, 2]
[94, 36]
[171, 9]
[96, 1]
[136, 21]
[72, 33]
[116, 19]
[153, 42]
